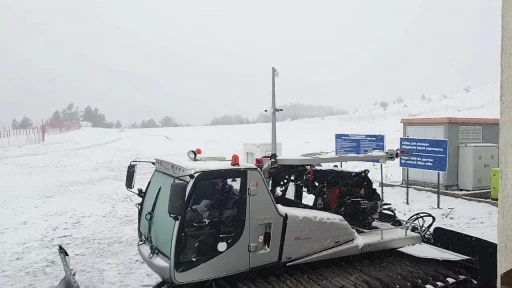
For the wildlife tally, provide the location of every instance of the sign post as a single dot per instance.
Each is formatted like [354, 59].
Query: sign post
[407, 186]
[425, 154]
[361, 144]
[382, 181]
[438, 190]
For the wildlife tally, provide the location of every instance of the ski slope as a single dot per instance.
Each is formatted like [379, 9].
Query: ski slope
[70, 190]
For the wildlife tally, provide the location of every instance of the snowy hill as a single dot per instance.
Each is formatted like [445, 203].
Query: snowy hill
[462, 103]
[70, 190]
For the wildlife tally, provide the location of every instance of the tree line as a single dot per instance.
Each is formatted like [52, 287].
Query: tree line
[293, 111]
[70, 114]
[24, 123]
[73, 114]
[166, 121]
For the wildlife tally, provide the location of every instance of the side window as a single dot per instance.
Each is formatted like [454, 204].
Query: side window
[215, 218]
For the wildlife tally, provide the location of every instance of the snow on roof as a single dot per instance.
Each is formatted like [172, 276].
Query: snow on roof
[181, 166]
[478, 145]
[449, 120]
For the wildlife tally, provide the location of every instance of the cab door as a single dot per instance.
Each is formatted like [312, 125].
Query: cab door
[212, 239]
[266, 223]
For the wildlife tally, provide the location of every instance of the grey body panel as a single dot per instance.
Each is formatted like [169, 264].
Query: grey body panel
[377, 240]
[159, 264]
[233, 260]
[310, 231]
[263, 214]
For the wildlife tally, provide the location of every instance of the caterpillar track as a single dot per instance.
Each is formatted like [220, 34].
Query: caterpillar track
[384, 270]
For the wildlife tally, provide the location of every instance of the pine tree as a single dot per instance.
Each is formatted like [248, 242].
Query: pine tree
[15, 124]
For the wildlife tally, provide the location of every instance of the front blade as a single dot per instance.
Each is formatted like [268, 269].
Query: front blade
[68, 281]
[424, 250]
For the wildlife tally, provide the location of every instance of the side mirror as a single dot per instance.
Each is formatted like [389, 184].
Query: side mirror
[130, 176]
[177, 204]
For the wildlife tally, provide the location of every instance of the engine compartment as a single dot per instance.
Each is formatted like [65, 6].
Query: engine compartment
[347, 193]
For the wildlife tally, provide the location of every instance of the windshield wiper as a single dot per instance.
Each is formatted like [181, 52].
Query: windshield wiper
[191, 176]
[149, 218]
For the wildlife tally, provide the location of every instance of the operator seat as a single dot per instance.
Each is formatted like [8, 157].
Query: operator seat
[205, 190]
[230, 199]
[229, 206]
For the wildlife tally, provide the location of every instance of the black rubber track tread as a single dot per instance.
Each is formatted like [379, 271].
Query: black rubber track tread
[385, 270]
[348, 278]
[334, 279]
[356, 280]
[399, 269]
[416, 278]
[322, 281]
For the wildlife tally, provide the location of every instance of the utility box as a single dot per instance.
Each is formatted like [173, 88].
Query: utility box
[495, 183]
[258, 150]
[476, 160]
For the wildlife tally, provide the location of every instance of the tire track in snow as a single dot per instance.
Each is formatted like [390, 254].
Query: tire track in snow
[68, 150]
[152, 135]
[98, 145]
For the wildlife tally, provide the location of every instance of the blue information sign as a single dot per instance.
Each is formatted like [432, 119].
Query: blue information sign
[425, 154]
[359, 144]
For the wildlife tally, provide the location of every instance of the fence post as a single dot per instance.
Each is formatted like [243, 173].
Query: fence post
[43, 131]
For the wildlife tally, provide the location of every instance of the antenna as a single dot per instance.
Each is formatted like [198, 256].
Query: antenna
[273, 155]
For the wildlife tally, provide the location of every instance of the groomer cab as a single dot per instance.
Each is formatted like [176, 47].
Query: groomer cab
[194, 221]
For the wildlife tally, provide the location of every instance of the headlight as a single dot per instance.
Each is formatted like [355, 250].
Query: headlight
[192, 155]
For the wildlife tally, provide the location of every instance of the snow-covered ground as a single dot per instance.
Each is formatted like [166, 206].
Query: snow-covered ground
[70, 189]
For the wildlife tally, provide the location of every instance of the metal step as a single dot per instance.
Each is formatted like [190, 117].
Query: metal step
[390, 269]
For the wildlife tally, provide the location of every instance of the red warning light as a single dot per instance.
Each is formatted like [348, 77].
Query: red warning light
[235, 160]
[258, 162]
[198, 151]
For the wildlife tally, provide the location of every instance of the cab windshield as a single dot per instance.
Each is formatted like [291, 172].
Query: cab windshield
[160, 226]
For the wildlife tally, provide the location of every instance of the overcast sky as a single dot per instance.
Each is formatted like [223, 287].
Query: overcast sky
[194, 60]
